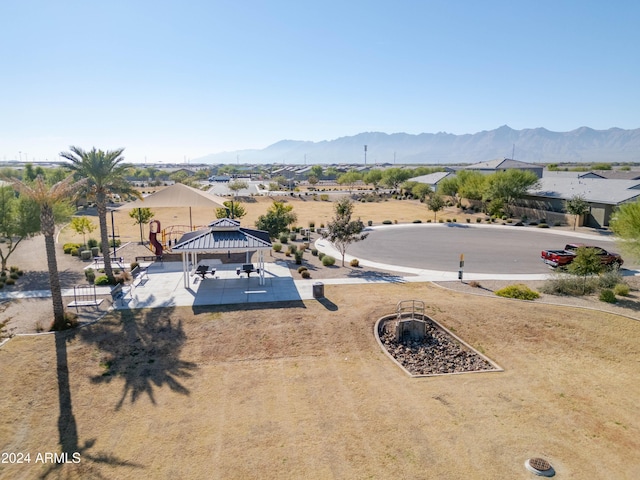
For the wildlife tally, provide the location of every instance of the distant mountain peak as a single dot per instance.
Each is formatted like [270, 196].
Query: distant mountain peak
[536, 145]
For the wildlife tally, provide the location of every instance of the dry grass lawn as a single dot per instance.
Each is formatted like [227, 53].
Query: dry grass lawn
[302, 391]
[307, 210]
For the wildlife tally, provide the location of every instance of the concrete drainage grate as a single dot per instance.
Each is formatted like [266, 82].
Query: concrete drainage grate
[540, 467]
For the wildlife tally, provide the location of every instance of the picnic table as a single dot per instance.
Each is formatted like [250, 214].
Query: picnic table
[202, 270]
[247, 268]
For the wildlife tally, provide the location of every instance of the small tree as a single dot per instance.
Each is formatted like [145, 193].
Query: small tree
[238, 185]
[576, 206]
[625, 224]
[232, 209]
[435, 204]
[82, 226]
[19, 219]
[341, 230]
[586, 263]
[277, 219]
[141, 216]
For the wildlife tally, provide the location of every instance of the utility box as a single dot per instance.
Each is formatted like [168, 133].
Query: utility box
[318, 290]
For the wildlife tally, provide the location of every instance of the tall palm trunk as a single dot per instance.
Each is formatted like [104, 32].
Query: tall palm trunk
[47, 222]
[101, 204]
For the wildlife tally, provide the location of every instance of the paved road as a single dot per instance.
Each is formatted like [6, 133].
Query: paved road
[486, 248]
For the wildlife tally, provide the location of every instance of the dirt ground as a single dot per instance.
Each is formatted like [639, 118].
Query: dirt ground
[302, 389]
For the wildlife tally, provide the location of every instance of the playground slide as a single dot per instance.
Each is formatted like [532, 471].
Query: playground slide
[154, 229]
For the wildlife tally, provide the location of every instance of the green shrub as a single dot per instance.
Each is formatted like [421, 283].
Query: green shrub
[440, 221]
[14, 275]
[609, 278]
[68, 247]
[277, 247]
[293, 236]
[621, 289]
[284, 238]
[478, 220]
[608, 296]
[298, 256]
[102, 280]
[314, 252]
[429, 221]
[321, 255]
[417, 221]
[561, 284]
[90, 275]
[387, 222]
[292, 249]
[75, 252]
[328, 260]
[369, 222]
[306, 274]
[302, 269]
[543, 225]
[448, 220]
[354, 262]
[468, 220]
[324, 197]
[519, 291]
[92, 242]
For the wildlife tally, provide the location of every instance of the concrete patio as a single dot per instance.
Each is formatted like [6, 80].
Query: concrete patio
[164, 286]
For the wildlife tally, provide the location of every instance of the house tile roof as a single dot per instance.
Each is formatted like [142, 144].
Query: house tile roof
[593, 190]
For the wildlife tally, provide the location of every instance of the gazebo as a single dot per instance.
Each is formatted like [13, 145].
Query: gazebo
[224, 236]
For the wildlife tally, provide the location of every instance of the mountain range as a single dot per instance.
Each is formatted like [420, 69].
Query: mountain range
[537, 145]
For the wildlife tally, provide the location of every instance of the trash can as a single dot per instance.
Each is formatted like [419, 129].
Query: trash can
[318, 290]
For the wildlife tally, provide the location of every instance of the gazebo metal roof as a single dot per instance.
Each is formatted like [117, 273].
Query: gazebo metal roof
[225, 235]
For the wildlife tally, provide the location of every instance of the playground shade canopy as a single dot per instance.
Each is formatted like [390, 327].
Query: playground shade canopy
[177, 195]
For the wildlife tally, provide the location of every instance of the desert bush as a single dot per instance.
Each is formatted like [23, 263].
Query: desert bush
[293, 236]
[387, 222]
[468, 220]
[90, 275]
[478, 220]
[9, 281]
[609, 278]
[102, 280]
[122, 277]
[70, 321]
[608, 296]
[328, 260]
[292, 249]
[284, 238]
[277, 247]
[320, 255]
[519, 291]
[369, 222]
[621, 289]
[133, 265]
[324, 197]
[417, 221]
[306, 274]
[302, 269]
[314, 252]
[14, 275]
[354, 262]
[560, 284]
[474, 284]
[543, 225]
[298, 256]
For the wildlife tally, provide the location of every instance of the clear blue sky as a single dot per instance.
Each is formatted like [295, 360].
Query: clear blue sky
[169, 80]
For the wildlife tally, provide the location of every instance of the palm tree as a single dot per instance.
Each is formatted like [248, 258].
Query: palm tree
[46, 197]
[105, 174]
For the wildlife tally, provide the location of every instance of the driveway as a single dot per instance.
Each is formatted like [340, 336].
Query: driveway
[486, 248]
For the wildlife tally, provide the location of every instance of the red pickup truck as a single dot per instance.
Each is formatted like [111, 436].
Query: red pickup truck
[560, 258]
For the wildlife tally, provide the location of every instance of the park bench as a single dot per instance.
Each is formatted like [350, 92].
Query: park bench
[139, 275]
